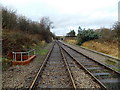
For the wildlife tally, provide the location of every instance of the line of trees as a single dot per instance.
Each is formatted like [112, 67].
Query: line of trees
[21, 33]
[11, 21]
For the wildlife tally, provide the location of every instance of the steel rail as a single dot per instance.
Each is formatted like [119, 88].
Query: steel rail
[72, 80]
[103, 86]
[24, 52]
[40, 70]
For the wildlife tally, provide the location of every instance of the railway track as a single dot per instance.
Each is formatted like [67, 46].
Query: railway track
[54, 72]
[105, 76]
[81, 78]
[60, 71]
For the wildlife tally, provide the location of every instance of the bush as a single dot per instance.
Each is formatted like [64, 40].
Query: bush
[71, 33]
[16, 40]
[86, 35]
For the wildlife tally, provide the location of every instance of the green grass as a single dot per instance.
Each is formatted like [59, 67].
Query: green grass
[42, 52]
[0, 59]
[5, 63]
[117, 69]
[112, 62]
[39, 49]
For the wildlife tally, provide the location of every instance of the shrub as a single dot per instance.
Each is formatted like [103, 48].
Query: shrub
[86, 35]
[16, 40]
[71, 33]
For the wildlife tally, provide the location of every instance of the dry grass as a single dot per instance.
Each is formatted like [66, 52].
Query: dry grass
[71, 41]
[104, 46]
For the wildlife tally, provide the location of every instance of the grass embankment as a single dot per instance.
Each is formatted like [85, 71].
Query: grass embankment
[40, 48]
[109, 47]
[104, 46]
[71, 41]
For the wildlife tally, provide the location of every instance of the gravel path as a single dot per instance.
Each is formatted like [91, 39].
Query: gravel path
[22, 76]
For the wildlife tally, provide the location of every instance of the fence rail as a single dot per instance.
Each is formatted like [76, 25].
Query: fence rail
[21, 54]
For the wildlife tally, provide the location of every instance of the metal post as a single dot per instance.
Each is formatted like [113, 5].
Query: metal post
[21, 56]
[28, 54]
[15, 56]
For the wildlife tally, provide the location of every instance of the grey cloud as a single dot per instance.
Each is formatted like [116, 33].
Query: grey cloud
[74, 18]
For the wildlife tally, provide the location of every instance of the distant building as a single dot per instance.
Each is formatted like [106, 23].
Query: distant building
[60, 37]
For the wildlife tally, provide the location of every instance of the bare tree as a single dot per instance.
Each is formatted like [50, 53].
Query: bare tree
[9, 20]
[45, 25]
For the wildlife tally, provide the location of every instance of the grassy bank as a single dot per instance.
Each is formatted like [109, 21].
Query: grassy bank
[104, 46]
[39, 50]
[109, 47]
[71, 41]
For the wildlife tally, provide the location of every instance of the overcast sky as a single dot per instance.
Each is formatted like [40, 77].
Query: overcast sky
[68, 14]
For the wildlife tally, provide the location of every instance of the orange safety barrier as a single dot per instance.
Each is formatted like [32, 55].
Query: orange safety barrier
[25, 62]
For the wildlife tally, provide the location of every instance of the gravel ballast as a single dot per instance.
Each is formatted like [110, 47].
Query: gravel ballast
[81, 78]
[55, 74]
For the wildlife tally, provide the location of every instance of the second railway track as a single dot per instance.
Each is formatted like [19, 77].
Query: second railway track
[105, 76]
